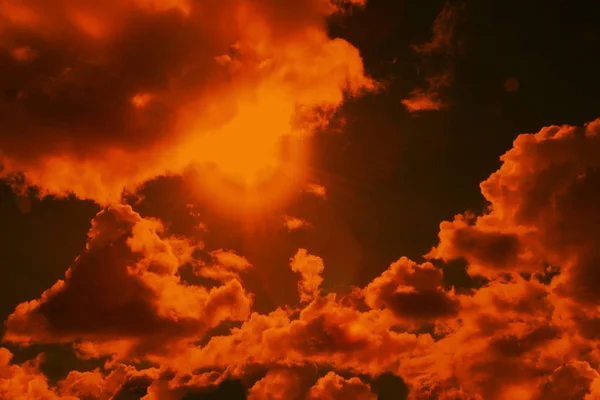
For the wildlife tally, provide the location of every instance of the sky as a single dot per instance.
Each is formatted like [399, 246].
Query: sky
[301, 199]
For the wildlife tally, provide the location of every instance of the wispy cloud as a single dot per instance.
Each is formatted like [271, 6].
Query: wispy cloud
[441, 49]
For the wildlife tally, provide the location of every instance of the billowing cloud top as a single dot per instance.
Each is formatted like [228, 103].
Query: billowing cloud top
[528, 333]
[104, 95]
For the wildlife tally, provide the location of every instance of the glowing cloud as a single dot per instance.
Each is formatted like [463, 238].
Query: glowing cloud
[103, 95]
[310, 268]
[141, 88]
[123, 293]
[295, 224]
[317, 190]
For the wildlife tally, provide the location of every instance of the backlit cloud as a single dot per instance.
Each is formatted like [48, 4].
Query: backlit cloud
[413, 292]
[310, 269]
[99, 96]
[317, 190]
[294, 223]
[123, 293]
[277, 385]
[530, 332]
[107, 94]
[333, 386]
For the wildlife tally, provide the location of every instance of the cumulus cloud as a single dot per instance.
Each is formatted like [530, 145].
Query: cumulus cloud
[292, 384]
[277, 385]
[26, 381]
[571, 381]
[502, 341]
[325, 332]
[310, 269]
[123, 293]
[522, 335]
[122, 381]
[540, 212]
[413, 292]
[334, 387]
[486, 248]
[529, 332]
[107, 94]
[23, 381]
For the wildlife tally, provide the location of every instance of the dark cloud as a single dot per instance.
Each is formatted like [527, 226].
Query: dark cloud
[437, 60]
[124, 290]
[413, 292]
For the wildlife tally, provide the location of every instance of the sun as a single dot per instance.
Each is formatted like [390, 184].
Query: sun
[257, 160]
[246, 157]
[241, 184]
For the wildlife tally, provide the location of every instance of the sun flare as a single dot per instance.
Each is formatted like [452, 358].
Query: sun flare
[261, 179]
[249, 148]
[245, 156]
[255, 160]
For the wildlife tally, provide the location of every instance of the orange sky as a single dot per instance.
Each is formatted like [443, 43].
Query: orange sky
[110, 96]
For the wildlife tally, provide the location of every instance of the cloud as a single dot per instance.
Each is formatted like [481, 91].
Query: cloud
[324, 332]
[226, 266]
[108, 94]
[413, 292]
[310, 269]
[437, 60]
[540, 212]
[504, 341]
[277, 385]
[317, 190]
[26, 381]
[122, 381]
[334, 387]
[519, 337]
[571, 381]
[423, 101]
[485, 249]
[529, 332]
[294, 223]
[229, 259]
[123, 293]
[23, 381]
[428, 99]
[443, 30]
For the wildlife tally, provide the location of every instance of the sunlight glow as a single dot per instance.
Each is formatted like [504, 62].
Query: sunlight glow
[255, 160]
[248, 148]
